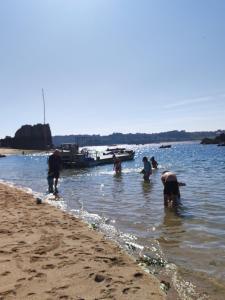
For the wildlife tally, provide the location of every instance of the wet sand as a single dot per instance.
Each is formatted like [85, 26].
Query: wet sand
[46, 253]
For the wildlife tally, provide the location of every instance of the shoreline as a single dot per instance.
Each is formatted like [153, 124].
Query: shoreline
[12, 151]
[46, 252]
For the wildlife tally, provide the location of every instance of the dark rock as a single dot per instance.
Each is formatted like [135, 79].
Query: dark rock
[220, 139]
[99, 278]
[165, 285]
[38, 200]
[138, 275]
[152, 261]
[30, 137]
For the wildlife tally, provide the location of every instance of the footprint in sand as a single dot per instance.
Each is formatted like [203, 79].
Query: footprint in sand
[48, 266]
[30, 294]
[39, 275]
[132, 290]
[5, 273]
[36, 258]
[21, 279]
[99, 249]
[138, 275]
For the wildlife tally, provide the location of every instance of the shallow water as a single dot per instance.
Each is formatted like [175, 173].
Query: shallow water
[191, 237]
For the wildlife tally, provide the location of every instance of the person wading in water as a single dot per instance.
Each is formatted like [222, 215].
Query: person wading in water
[171, 188]
[147, 171]
[54, 167]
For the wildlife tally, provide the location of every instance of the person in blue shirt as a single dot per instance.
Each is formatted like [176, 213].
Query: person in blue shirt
[147, 171]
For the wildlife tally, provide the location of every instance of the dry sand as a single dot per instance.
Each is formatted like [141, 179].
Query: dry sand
[46, 253]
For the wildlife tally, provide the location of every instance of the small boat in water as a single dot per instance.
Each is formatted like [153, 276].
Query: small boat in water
[72, 157]
[165, 146]
[117, 151]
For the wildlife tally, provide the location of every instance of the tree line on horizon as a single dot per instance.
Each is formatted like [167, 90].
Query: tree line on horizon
[133, 138]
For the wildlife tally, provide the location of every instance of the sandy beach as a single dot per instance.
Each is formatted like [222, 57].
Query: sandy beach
[11, 151]
[46, 253]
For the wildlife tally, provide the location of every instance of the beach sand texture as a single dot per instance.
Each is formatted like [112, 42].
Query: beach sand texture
[11, 151]
[46, 253]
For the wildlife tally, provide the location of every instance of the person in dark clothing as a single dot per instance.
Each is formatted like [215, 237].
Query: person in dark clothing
[147, 171]
[117, 165]
[54, 167]
[171, 188]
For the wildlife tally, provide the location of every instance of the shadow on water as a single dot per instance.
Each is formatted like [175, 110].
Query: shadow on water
[172, 228]
[172, 216]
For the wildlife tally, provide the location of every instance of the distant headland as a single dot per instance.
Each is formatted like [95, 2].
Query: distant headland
[36, 137]
[220, 140]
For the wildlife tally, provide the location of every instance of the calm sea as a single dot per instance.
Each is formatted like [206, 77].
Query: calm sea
[187, 243]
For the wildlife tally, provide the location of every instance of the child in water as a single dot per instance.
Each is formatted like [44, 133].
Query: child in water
[117, 165]
[154, 163]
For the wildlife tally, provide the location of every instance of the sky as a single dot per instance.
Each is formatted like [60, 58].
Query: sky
[112, 65]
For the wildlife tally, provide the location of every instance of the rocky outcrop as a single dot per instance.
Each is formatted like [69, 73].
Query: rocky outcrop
[220, 139]
[30, 137]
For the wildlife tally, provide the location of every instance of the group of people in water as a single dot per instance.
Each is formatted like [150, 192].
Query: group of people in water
[169, 179]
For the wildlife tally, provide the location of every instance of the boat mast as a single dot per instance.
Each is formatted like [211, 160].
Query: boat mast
[43, 97]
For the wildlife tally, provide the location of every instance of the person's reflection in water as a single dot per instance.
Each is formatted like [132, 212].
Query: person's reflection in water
[117, 187]
[146, 190]
[172, 227]
[172, 216]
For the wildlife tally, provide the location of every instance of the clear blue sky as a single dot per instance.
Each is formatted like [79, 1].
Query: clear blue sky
[113, 65]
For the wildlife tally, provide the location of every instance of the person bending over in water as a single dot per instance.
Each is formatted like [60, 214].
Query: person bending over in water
[154, 163]
[117, 165]
[147, 171]
[54, 166]
[171, 188]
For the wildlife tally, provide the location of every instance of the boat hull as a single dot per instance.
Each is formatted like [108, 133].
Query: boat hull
[87, 163]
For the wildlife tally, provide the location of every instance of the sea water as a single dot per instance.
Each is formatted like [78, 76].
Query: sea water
[187, 242]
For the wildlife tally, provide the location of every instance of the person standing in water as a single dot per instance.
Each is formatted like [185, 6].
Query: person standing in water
[117, 164]
[54, 167]
[171, 188]
[154, 163]
[147, 171]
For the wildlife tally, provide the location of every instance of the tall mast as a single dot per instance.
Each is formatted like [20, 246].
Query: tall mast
[43, 96]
